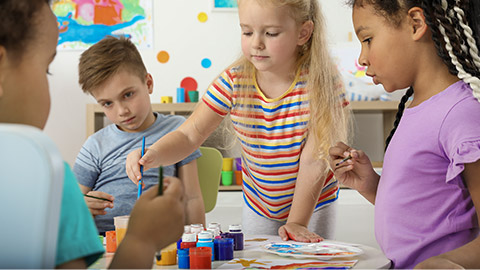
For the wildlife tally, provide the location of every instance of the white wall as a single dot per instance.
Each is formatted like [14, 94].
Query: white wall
[187, 40]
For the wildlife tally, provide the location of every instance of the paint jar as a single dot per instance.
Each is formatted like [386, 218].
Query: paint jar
[223, 248]
[180, 95]
[193, 96]
[183, 259]
[238, 178]
[111, 241]
[200, 258]
[227, 178]
[121, 223]
[235, 232]
[186, 229]
[196, 228]
[102, 239]
[227, 164]
[168, 255]
[216, 227]
[188, 240]
[205, 239]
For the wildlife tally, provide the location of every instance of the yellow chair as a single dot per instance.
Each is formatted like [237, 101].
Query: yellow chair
[209, 173]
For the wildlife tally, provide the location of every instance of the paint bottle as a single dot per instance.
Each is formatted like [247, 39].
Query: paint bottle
[196, 228]
[111, 241]
[205, 239]
[186, 229]
[216, 228]
[223, 248]
[235, 232]
[183, 258]
[200, 258]
[188, 240]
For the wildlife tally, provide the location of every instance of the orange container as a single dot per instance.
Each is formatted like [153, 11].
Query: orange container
[111, 241]
[238, 178]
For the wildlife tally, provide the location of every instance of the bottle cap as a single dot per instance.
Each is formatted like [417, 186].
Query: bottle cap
[235, 227]
[205, 236]
[189, 237]
[187, 229]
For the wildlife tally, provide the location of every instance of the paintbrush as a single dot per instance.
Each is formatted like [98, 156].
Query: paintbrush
[141, 170]
[98, 198]
[158, 254]
[343, 160]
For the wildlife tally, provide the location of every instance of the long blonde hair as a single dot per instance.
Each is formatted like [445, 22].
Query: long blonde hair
[329, 120]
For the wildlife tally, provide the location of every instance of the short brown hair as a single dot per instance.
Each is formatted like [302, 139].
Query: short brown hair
[105, 58]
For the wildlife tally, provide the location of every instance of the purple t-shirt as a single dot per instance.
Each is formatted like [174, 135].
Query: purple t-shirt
[422, 206]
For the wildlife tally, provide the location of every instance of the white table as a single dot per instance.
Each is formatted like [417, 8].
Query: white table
[371, 258]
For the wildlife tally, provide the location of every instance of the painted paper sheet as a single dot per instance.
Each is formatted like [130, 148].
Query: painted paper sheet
[82, 23]
[245, 263]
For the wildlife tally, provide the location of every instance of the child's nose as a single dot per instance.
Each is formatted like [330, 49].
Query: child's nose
[258, 43]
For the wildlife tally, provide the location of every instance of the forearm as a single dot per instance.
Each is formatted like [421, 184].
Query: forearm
[466, 255]
[307, 192]
[133, 254]
[195, 211]
[178, 146]
[371, 193]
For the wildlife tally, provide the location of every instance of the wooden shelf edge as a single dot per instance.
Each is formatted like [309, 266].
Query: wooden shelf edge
[230, 188]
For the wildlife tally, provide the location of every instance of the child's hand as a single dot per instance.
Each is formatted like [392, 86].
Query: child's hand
[158, 220]
[135, 159]
[357, 172]
[297, 232]
[97, 206]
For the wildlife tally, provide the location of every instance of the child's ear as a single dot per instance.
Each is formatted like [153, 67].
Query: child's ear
[417, 23]
[149, 82]
[306, 31]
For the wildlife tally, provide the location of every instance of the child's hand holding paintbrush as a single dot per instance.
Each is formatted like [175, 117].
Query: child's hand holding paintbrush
[97, 201]
[353, 169]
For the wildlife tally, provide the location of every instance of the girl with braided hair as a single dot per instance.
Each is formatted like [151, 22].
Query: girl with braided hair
[427, 199]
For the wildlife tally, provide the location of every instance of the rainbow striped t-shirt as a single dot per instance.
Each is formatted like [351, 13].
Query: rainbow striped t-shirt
[272, 133]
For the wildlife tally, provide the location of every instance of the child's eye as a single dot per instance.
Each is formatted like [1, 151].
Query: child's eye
[272, 34]
[367, 40]
[129, 94]
[106, 104]
[48, 72]
[247, 33]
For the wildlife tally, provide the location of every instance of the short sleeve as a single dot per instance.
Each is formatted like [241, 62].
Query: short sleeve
[86, 168]
[77, 235]
[466, 152]
[460, 136]
[219, 94]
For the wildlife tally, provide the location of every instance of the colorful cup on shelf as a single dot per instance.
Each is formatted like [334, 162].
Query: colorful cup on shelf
[238, 164]
[180, 95]
[238, 178]
[227, 164]
[193, 96]
[166, 99]
[227, 178]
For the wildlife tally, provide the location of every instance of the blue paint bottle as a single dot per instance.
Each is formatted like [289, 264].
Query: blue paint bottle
[223, 249]
[205, 239]
[183, 258]
[235, 232]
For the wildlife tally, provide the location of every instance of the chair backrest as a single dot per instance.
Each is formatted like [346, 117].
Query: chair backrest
[209, 173]
[31, 179]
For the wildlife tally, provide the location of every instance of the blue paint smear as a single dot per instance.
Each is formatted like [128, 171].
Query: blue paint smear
[89, 34]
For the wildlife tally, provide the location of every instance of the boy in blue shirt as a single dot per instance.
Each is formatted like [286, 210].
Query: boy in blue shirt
[28, 41]
[113, 72]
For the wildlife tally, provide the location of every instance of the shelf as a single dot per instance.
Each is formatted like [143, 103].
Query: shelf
[230, 188]
[95, 114]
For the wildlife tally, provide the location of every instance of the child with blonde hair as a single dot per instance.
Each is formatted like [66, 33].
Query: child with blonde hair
[284, 97]
[427, 199]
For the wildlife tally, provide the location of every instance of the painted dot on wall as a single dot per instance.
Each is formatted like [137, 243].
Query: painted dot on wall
[163, 57]
[189, 83]
[206, 63]
[202, 17]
